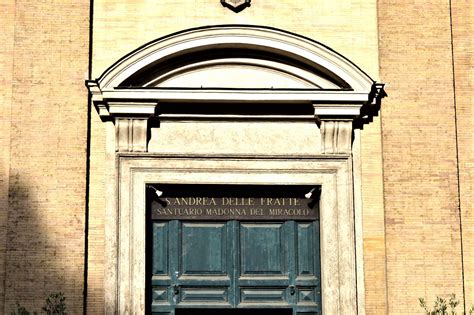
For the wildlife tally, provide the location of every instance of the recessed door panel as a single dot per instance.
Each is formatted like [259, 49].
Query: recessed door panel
[307, 280]
[203, 249]
[160, 295]
[160, 249]
[262, 249]
[263, 296]
[203, 257]
[234, 264]
[235, 261]
[193, 295]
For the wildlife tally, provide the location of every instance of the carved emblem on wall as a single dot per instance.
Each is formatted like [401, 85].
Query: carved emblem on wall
[236, 5]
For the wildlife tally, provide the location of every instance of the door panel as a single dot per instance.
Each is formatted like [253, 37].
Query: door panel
[307, 280]
[202, 295]
[307, 296]
[263, 295]
[204, 249]
[203, 277]
[262, 249]
[305, 249]
[160, 249]
[263, 276]
[232, 264]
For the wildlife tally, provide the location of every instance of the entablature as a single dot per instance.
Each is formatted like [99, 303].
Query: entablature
[236, 64]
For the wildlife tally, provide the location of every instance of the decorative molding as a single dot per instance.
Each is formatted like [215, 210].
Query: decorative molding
[336, 136]
[356, 97]
[255, 38]
[236, 5]
[230, 95]
[131, 108]
[378, 92]
[372, 107]
[342, 110]
[97, 98]
[119, 98]
[131, 134]
[338, 255]
[130, 117]
[242, 72]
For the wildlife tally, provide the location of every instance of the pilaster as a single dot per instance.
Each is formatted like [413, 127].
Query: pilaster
[131, 134]
[336, 136]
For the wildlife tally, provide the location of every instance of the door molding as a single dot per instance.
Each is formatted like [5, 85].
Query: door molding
[338, 270]
[143, 89]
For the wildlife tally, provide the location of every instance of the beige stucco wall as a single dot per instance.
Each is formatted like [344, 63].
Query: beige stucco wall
[351, 30]
[249, 138]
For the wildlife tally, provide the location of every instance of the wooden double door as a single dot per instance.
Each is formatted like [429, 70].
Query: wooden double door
[234, 265]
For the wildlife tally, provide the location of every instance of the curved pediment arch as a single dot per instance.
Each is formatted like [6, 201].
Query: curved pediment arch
[240, 64]
[289, 60]
[233, 104]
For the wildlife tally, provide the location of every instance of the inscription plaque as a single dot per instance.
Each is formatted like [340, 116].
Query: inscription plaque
[235, 202]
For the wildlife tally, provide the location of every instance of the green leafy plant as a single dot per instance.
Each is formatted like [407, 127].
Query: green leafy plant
[441, 305]
[55, 304]
[20, 310]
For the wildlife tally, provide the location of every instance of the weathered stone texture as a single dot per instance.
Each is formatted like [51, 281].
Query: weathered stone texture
[411, 251]
[47, 50]
[419, 154]
[6, 77]
[351, 29]
[96, 254]
[463, 53]
[373, 220]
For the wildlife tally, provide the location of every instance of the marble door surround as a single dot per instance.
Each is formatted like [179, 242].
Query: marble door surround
[288, 69]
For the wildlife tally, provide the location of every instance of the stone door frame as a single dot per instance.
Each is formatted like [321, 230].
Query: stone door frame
[121, 99]
[334, 174]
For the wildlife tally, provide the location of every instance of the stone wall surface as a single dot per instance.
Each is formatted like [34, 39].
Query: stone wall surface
[420, 153]
[43, 141]
[412, 250]
[463, 53]
[347, 26]
[350, 29]
[7, 20]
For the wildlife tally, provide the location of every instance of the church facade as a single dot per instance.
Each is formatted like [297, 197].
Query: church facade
[247, 157]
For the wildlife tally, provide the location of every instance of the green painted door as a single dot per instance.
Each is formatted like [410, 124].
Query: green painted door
[235, 264]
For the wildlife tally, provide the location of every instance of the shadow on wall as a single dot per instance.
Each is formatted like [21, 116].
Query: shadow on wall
[44, 243]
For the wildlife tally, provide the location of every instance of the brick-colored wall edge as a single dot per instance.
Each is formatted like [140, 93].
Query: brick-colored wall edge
[456, 131]
[88, 160]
